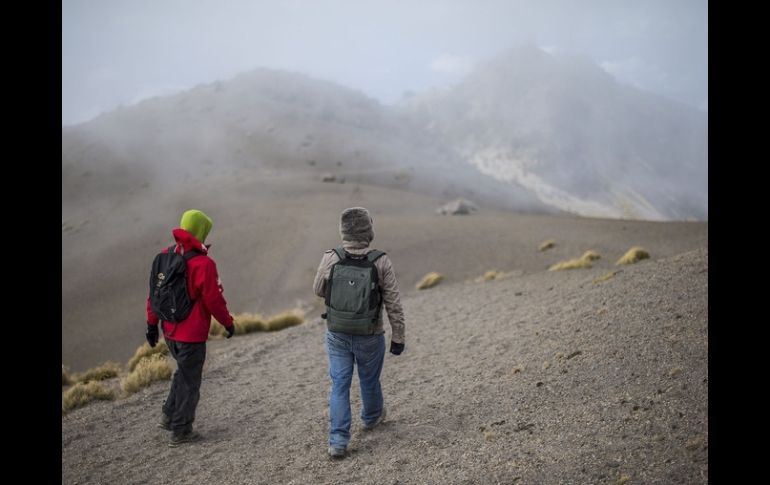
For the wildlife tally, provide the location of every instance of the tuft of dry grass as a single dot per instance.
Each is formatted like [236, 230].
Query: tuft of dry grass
[84, 392]
[247, 323]
[145, 351]
[546, 245]
[583, 261]
[603, 278]
[284, 320]
[490, 275]
[104, 371]
[149, 369]
[633, 255]
[253, 322]
[66, 380]
[429, 281]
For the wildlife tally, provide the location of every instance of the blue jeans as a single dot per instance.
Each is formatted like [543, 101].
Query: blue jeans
[368, 351]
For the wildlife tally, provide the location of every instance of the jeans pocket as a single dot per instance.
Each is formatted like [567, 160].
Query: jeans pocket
[370, 345]
[335, 340]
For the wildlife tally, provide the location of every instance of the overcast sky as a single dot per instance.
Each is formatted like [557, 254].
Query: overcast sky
[121, 51]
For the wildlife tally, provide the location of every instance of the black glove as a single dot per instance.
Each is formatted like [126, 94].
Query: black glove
[396, 348]
[152, 335]
[230, 330]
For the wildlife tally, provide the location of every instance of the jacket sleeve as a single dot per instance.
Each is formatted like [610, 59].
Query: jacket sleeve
[211, 293]
[392, 299]
[152, 319]
[322, 275]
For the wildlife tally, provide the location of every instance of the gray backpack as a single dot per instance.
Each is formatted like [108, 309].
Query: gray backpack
[353, 296]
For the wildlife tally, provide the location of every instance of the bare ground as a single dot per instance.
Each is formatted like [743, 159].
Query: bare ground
[543, 377]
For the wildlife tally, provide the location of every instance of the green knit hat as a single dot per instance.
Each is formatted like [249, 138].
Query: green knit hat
[196, 223]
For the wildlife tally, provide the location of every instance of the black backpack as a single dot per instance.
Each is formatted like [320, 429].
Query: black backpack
[169, 299]
[353, 296]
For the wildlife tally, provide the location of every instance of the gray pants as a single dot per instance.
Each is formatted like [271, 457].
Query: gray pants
[185, 387]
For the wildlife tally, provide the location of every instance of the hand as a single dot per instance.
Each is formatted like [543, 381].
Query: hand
[230, 330]
[152, 335]
[396, 348]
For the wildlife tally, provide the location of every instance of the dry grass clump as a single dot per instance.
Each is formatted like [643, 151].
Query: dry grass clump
[429, 281]
[84, 392]
[604, 278]
[547, 244]
[284, 320]
[253, 322]
[247, 323]
[148, 370]
[244, 323]
[145, 351]
[104, 371]
[583, 261]
[633, 255]
[490, 275]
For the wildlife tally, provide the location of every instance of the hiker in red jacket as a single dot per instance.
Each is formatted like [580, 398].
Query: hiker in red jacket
[186, 339]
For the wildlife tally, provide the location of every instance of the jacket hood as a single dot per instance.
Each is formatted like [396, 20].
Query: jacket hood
[196, 223]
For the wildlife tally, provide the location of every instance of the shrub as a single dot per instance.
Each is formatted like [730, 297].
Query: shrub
[145, 351]
[149, 369]
[583, 261]
[547, 244]
[84, 392]
[633, 255]
[429, 281]
[104, 371]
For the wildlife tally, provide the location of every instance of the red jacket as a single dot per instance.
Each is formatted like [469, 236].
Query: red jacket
[204, 288]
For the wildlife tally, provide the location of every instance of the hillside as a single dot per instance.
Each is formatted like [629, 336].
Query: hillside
[543, 377]
[268, 237]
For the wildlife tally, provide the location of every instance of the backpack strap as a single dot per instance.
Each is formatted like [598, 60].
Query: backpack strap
[341, 252]
[188, 255]
[372, 255]
[191, 254]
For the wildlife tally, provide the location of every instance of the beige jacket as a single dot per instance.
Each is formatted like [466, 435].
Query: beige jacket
[390, 295]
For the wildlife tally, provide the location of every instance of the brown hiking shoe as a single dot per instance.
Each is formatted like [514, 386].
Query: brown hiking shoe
[181, 438]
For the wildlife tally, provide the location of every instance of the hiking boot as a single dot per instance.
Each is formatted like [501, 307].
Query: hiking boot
[377, 422]
[337, 453]
[181, 438]
[165, 422]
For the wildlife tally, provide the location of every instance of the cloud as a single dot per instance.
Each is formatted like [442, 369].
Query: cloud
[452, 64]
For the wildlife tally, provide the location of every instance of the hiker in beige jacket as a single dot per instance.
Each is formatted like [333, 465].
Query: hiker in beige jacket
[362, 343]
[390, 294]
